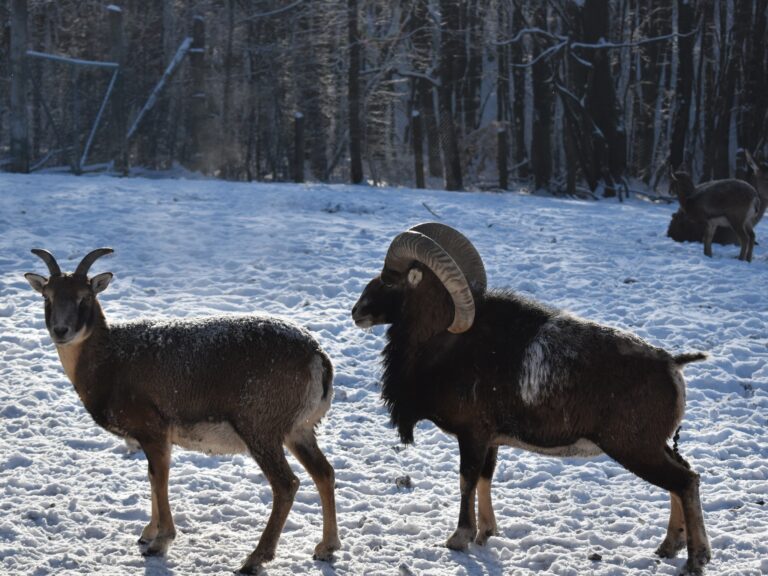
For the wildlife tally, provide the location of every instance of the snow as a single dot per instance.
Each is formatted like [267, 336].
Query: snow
[75, 498]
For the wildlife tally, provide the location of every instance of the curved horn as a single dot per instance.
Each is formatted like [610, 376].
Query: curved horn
[49, 260]
[460, 249]
[90, 258]
[409, 246]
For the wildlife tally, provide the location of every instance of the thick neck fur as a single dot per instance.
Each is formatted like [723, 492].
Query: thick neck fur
[427, 313]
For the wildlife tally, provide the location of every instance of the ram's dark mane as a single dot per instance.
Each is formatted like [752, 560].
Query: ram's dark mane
[410, 389]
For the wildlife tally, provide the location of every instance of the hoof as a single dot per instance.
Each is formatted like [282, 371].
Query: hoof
[251, 569]
[460, 539]
[158, 546]
[484, 534]
[670, 548]
[255, 562]
[324, 551]
[148, 534]
[697, 561]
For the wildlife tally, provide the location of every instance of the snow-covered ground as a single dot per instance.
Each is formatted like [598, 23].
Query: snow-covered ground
[74, 500]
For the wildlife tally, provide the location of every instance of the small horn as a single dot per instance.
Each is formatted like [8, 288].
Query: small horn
[90, 258]
[50, 261]
[460, 249]
[409, 246]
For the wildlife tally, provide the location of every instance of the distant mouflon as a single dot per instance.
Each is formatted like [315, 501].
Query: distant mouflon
[730, 202]
[495, 369]
[220, 385]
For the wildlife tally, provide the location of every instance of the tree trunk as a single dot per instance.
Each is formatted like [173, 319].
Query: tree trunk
[704, 119]
[355, 133]
[608, 160]
[422, 57]
[725, 99]
[541, 146]
[684, 89]
[518, 99]
[471, 78]
[418, 149]
[755, 83]
[18, 120]
[449, 47]
[197, 156]
[119, 152]
[298, 148]
[227, 133]
[502, 99]
[655, 17]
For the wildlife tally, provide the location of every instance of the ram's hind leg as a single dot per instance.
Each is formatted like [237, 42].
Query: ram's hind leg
[271, 460]
[676, 533]
[666, 470]
[486, 525]
[303, 445]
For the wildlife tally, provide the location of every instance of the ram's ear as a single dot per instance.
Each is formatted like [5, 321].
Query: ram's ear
[414, 277]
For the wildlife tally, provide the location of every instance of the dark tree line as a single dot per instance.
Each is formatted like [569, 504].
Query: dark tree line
[573, 96]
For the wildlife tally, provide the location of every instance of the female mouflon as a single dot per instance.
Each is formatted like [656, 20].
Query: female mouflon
[219, 385]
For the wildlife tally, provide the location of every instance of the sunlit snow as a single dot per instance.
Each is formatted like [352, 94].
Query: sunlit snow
[74, 498]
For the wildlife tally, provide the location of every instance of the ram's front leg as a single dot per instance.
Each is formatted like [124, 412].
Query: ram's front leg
[487, 520]
[472, 452]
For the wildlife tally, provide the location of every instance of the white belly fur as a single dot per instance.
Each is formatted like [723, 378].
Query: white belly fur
[209, 438]
[581, 448]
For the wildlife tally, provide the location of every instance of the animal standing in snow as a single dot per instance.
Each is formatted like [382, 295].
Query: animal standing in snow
[732, 202]
[219, 385]
[495, 369]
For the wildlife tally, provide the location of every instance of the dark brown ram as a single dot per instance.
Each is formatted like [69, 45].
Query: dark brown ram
[495, 369]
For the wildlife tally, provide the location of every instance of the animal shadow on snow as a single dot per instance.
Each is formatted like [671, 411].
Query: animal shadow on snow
[478, 560]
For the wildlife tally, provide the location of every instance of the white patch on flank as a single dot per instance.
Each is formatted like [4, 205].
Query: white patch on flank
[582, 447]
[539, 374]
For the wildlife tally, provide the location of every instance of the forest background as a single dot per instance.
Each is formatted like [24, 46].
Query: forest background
[580, 97]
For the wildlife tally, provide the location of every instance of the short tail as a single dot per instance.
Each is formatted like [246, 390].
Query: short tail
[327, 375]
[676, 452]
[682, 359]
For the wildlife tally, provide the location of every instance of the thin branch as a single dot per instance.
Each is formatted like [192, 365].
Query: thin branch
[435, 214]
[271, 13]
[548, 52]
[517, 37]
[601, 45]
